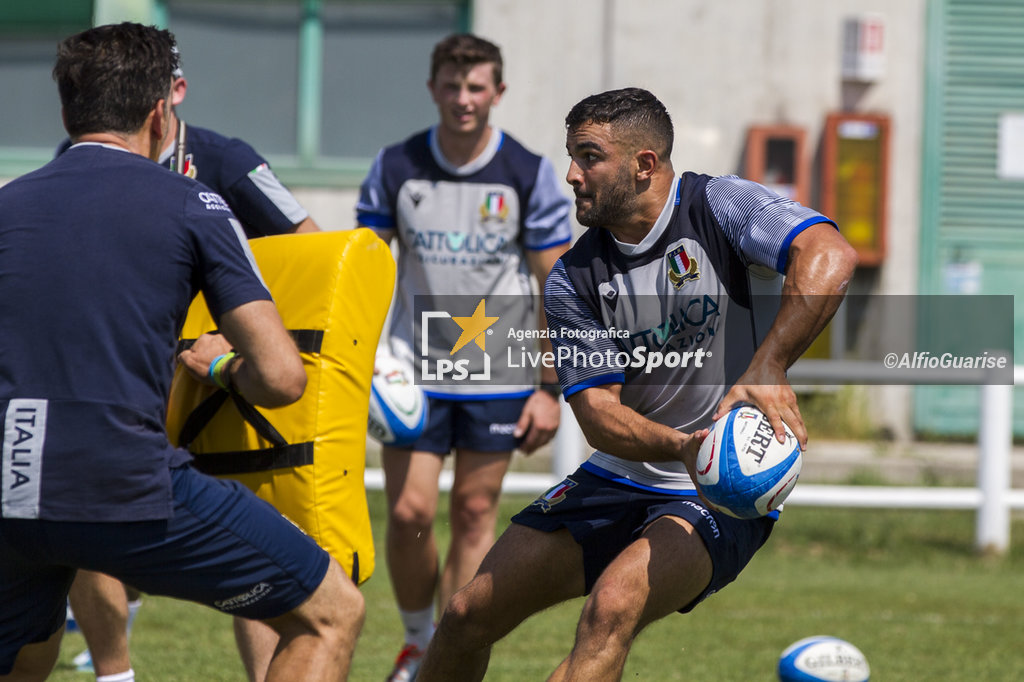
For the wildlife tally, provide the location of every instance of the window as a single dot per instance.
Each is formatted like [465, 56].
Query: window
[29, 33]
[317, 86]
[31, 113]
[241, 60]
[376, 66]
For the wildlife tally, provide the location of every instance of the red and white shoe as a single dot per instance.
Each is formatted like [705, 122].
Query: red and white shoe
[407, 664]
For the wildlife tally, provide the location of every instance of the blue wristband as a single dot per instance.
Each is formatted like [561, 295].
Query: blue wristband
[213, 366]
[220, 369]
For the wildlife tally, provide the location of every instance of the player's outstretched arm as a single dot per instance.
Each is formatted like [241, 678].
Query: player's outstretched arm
[270, 371]
[820, 265]
[619, 430]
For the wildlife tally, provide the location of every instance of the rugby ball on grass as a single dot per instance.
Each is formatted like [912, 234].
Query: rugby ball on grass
[398, 408]
[823, 659]
[742, 469]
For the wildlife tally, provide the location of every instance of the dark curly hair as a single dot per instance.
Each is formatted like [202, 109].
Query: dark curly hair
[632, 111]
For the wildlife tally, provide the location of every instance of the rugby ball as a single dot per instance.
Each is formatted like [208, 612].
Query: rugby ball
[823, 659]
[742, 469]
[398, 408]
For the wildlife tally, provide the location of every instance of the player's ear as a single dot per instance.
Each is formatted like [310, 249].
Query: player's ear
[178, 90]
[156, 126]
[501, 91]
[161, 117]
[646, 163]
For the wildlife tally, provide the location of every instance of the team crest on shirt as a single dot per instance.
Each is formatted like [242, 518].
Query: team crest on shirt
[554, 495]
[682, 268]
[189, 169]
[608, 294]
[494, 207]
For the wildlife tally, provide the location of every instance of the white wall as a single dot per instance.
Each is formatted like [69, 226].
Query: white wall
[719, 67]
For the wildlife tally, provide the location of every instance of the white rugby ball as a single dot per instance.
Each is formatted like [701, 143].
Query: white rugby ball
[742, 469]
[398, 407]
[823, 659]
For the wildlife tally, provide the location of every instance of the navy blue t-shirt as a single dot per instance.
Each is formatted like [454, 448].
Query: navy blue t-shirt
[101, 253]
[238, 173]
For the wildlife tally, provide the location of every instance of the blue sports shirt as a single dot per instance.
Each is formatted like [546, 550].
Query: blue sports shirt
[101, 253]
[464, 231]
[698, 293]
[237, 172]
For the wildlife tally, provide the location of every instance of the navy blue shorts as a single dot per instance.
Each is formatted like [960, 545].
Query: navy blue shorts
[483, 425]
[223, 547]
[605, 517]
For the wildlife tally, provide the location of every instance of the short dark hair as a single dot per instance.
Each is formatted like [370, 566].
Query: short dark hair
[634, 111]
[110, 77]
[466, 49]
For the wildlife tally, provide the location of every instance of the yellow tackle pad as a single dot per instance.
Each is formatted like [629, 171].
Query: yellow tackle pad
[332, 290]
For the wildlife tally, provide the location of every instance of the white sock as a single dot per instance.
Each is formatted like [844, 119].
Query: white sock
[133, 610]
[128, 676]
[419, 627]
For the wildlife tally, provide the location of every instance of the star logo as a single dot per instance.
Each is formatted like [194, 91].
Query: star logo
[474, 328]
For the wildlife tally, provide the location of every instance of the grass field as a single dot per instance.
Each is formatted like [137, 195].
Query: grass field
[903, 586]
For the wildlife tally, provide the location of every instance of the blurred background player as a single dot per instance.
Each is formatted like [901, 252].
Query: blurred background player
[89, 477]
[628, 528]
[237, 172]
[233, 169]
[469, 182]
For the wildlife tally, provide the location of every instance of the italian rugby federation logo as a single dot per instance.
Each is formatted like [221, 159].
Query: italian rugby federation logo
[554, 495]
[188, 167]
[494, 207]
[681, 267]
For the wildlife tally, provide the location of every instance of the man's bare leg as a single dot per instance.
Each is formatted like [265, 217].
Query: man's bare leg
[526, 571]
[473, 513]
[100, 605]
[663, 571]
[317, 639]
[256, 644]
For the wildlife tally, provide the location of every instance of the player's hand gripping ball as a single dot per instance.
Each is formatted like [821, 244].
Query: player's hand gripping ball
[398, 407]
[742, 469]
